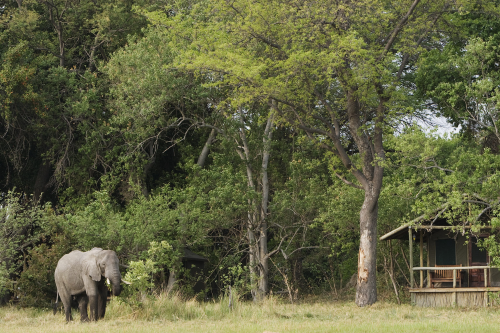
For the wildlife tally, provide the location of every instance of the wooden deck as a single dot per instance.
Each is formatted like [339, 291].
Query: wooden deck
[444, 297]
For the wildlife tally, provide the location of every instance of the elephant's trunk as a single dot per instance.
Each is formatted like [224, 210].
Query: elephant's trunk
[117, 289]
[115, 283]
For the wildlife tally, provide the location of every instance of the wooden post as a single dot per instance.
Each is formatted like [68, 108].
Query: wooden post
[421, 259]
[485, 277]
[428, 260]
[411, 256]
[454, 295]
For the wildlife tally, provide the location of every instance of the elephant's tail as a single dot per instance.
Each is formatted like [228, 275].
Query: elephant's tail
[54, 306]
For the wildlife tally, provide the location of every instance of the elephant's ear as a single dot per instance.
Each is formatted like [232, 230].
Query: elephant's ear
[90, 268]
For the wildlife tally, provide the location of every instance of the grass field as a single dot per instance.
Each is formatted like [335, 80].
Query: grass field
[174, 315]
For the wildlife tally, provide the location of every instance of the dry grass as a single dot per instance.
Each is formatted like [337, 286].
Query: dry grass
[175, 315]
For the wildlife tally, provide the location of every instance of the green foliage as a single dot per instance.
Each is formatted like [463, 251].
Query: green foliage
[162, 254]
[52, 106]
[95, 225]
[36, 285]
[22, 225]
[152, 109]
[463, 82]
[140, 275]
[236, 279]
[451, 171]
[159, 257]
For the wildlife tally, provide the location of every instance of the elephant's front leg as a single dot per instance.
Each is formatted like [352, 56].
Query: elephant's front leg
[102, 298]
[92, 293]
[94, 307]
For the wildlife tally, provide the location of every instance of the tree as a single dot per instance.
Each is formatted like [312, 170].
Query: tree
[334, 70]
[153, 111]
[467, 92]
[458, 80]
[23, 225]
[50, 88]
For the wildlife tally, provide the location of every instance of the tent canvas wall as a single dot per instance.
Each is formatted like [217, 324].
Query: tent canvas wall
[450, 248]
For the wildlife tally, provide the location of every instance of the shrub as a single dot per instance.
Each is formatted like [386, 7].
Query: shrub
[36, 283]
[23, 226]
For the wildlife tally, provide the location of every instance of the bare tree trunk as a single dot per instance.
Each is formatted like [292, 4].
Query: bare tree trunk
[61, 45]
[256, 224]
[264, 264]
[206, 148]
[371, 150]
[171, 281]
[366, 292]
[253, 256]
[253, 249]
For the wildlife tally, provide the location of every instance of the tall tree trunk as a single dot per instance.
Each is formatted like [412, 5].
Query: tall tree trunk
[257, 216]
[366, 291]
[263, 251]
[253, 254]
[55, 19]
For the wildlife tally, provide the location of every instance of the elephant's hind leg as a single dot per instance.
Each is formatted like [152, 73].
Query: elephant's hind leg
[66, 300]
[67, 310]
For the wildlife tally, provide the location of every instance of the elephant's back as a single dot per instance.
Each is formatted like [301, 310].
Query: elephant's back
[68, 260]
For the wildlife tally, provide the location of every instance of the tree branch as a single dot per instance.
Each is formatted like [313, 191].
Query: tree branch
[398, 28]
[300, 249]
[348, 182]
[419, 41]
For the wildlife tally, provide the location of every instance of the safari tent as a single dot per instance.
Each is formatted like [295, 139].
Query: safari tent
[195, 266]
[451, 270]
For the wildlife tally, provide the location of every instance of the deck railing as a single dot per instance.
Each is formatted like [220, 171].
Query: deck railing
[454, 269]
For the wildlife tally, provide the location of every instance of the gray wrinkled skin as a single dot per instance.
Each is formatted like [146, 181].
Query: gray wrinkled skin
[82, 275]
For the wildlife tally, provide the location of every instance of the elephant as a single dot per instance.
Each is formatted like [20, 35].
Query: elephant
[79, 277]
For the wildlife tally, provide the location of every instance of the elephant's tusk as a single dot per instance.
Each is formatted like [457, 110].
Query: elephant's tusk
[126, 282]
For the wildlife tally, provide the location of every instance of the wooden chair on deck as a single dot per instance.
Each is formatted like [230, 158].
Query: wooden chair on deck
[445, 275]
